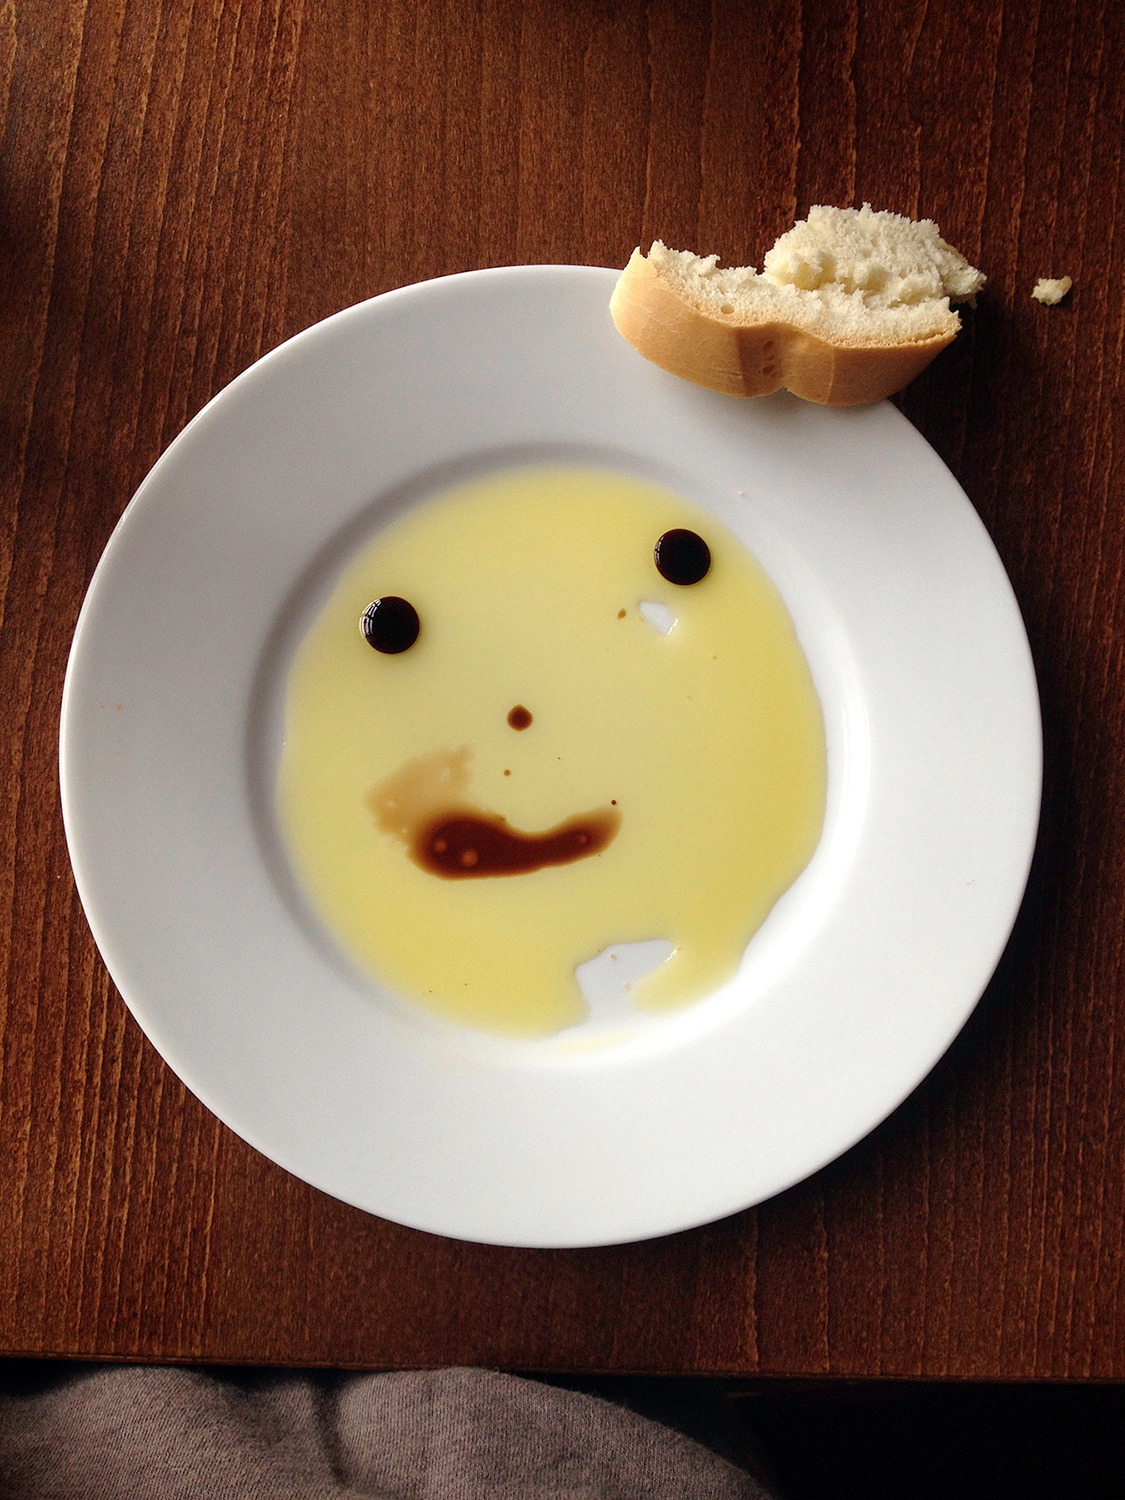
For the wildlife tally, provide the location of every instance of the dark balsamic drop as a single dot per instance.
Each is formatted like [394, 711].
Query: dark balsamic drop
[461, 843]
[682, 556]
[390, 625]
[519, 717]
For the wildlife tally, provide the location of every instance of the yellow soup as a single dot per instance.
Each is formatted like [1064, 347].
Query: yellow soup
[574, 752]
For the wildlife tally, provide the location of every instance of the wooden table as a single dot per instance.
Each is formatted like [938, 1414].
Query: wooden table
[187, 184]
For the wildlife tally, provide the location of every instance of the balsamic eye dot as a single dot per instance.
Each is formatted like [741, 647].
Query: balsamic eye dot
[390, 625]
[682, 556]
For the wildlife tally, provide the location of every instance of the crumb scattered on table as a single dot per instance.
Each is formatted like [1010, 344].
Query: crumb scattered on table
[1051, 291]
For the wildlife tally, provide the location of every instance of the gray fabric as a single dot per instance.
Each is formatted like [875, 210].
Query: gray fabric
[135, 1433]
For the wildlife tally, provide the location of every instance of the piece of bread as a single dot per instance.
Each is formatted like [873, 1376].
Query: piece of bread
[850, 306]
[1050, 290]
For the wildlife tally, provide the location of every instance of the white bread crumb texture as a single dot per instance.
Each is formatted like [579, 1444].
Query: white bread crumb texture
[1051, 290]
[854, 275]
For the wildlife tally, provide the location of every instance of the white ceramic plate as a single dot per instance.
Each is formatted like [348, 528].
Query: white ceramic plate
[865, 970]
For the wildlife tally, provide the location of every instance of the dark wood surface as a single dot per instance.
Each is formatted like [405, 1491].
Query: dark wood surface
[186, 184]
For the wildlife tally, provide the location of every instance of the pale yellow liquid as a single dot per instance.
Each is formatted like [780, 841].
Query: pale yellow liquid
[709, 742]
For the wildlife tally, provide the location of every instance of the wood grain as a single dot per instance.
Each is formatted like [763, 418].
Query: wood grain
[184, 185]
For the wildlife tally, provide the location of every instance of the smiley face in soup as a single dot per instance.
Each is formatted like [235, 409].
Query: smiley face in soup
[543, 713]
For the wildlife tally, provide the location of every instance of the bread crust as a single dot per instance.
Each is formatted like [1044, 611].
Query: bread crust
[756, 359]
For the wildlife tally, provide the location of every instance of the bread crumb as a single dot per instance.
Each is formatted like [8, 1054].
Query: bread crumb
[1050, 291]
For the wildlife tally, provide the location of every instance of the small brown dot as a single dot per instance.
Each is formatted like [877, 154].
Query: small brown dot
[507, 773]
[469, 858]
[621, 614]
[519, 717]
[613, 801]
